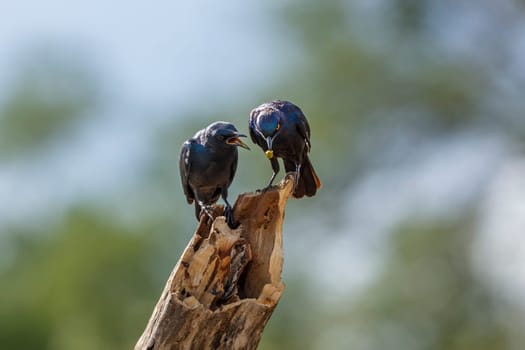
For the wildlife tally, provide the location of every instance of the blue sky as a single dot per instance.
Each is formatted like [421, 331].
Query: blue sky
[151, 52]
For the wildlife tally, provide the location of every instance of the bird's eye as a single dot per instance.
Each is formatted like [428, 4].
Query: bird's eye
[278, 127]
[221, 138]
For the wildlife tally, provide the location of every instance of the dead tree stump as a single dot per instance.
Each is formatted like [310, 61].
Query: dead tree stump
[227, 283]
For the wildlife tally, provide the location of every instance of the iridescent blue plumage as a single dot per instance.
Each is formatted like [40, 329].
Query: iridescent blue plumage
[268, 123]
[280, 128]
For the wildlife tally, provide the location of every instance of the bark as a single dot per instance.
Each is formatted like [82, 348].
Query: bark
[227, 283]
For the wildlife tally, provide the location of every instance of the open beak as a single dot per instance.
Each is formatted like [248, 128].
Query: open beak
[269, 152]
[235, 140]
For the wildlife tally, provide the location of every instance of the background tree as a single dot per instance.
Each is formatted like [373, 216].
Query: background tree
[415, 108]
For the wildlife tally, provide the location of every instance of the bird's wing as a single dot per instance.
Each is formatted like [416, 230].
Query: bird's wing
[303, 128]
[184, 165]
[254, 135]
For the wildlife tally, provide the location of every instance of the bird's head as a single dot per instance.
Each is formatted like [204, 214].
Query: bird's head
[268, 125]
[225, 134]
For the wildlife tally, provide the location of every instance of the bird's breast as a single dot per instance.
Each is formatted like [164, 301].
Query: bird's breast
[288, 145]
[213, 167]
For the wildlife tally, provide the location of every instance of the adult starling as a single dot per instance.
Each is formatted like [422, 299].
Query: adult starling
[208, 162]
[280, 128]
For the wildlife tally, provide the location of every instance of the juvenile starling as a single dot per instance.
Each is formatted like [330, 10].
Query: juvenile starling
[208, 162]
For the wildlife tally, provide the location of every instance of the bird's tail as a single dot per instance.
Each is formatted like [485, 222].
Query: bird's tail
[308, 181]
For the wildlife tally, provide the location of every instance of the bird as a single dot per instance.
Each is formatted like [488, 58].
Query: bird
[281, 129]
[207, 163]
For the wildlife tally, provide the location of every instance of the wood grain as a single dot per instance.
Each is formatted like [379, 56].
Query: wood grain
[227, 283]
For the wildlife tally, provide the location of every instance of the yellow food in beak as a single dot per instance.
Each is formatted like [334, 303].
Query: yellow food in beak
[269, 154]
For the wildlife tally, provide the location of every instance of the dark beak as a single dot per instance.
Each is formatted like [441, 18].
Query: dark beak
[269, 152]
[235, 140]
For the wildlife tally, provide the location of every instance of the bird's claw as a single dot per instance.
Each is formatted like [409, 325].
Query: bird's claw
[295, 180]
[208, 211]
[228, 214]
[266, 189]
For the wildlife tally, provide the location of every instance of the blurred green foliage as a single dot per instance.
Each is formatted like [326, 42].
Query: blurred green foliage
[90, 281]
[47, 94]
[84, 284]
[428, 296]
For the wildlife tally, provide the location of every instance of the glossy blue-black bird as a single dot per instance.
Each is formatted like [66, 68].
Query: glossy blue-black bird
[280, 128]
[208, 162]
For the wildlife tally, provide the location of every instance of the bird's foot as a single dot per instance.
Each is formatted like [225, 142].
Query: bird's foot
[264, 189]
[297, 174]
[228, 214]
[208, 211]
[295, 180]
[270, 184]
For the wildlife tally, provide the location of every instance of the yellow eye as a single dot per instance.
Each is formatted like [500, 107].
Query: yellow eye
[278, 127]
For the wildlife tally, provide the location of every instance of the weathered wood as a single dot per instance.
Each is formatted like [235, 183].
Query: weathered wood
[227, 282]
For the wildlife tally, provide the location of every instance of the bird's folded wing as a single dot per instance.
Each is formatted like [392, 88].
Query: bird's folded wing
[184, 166]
